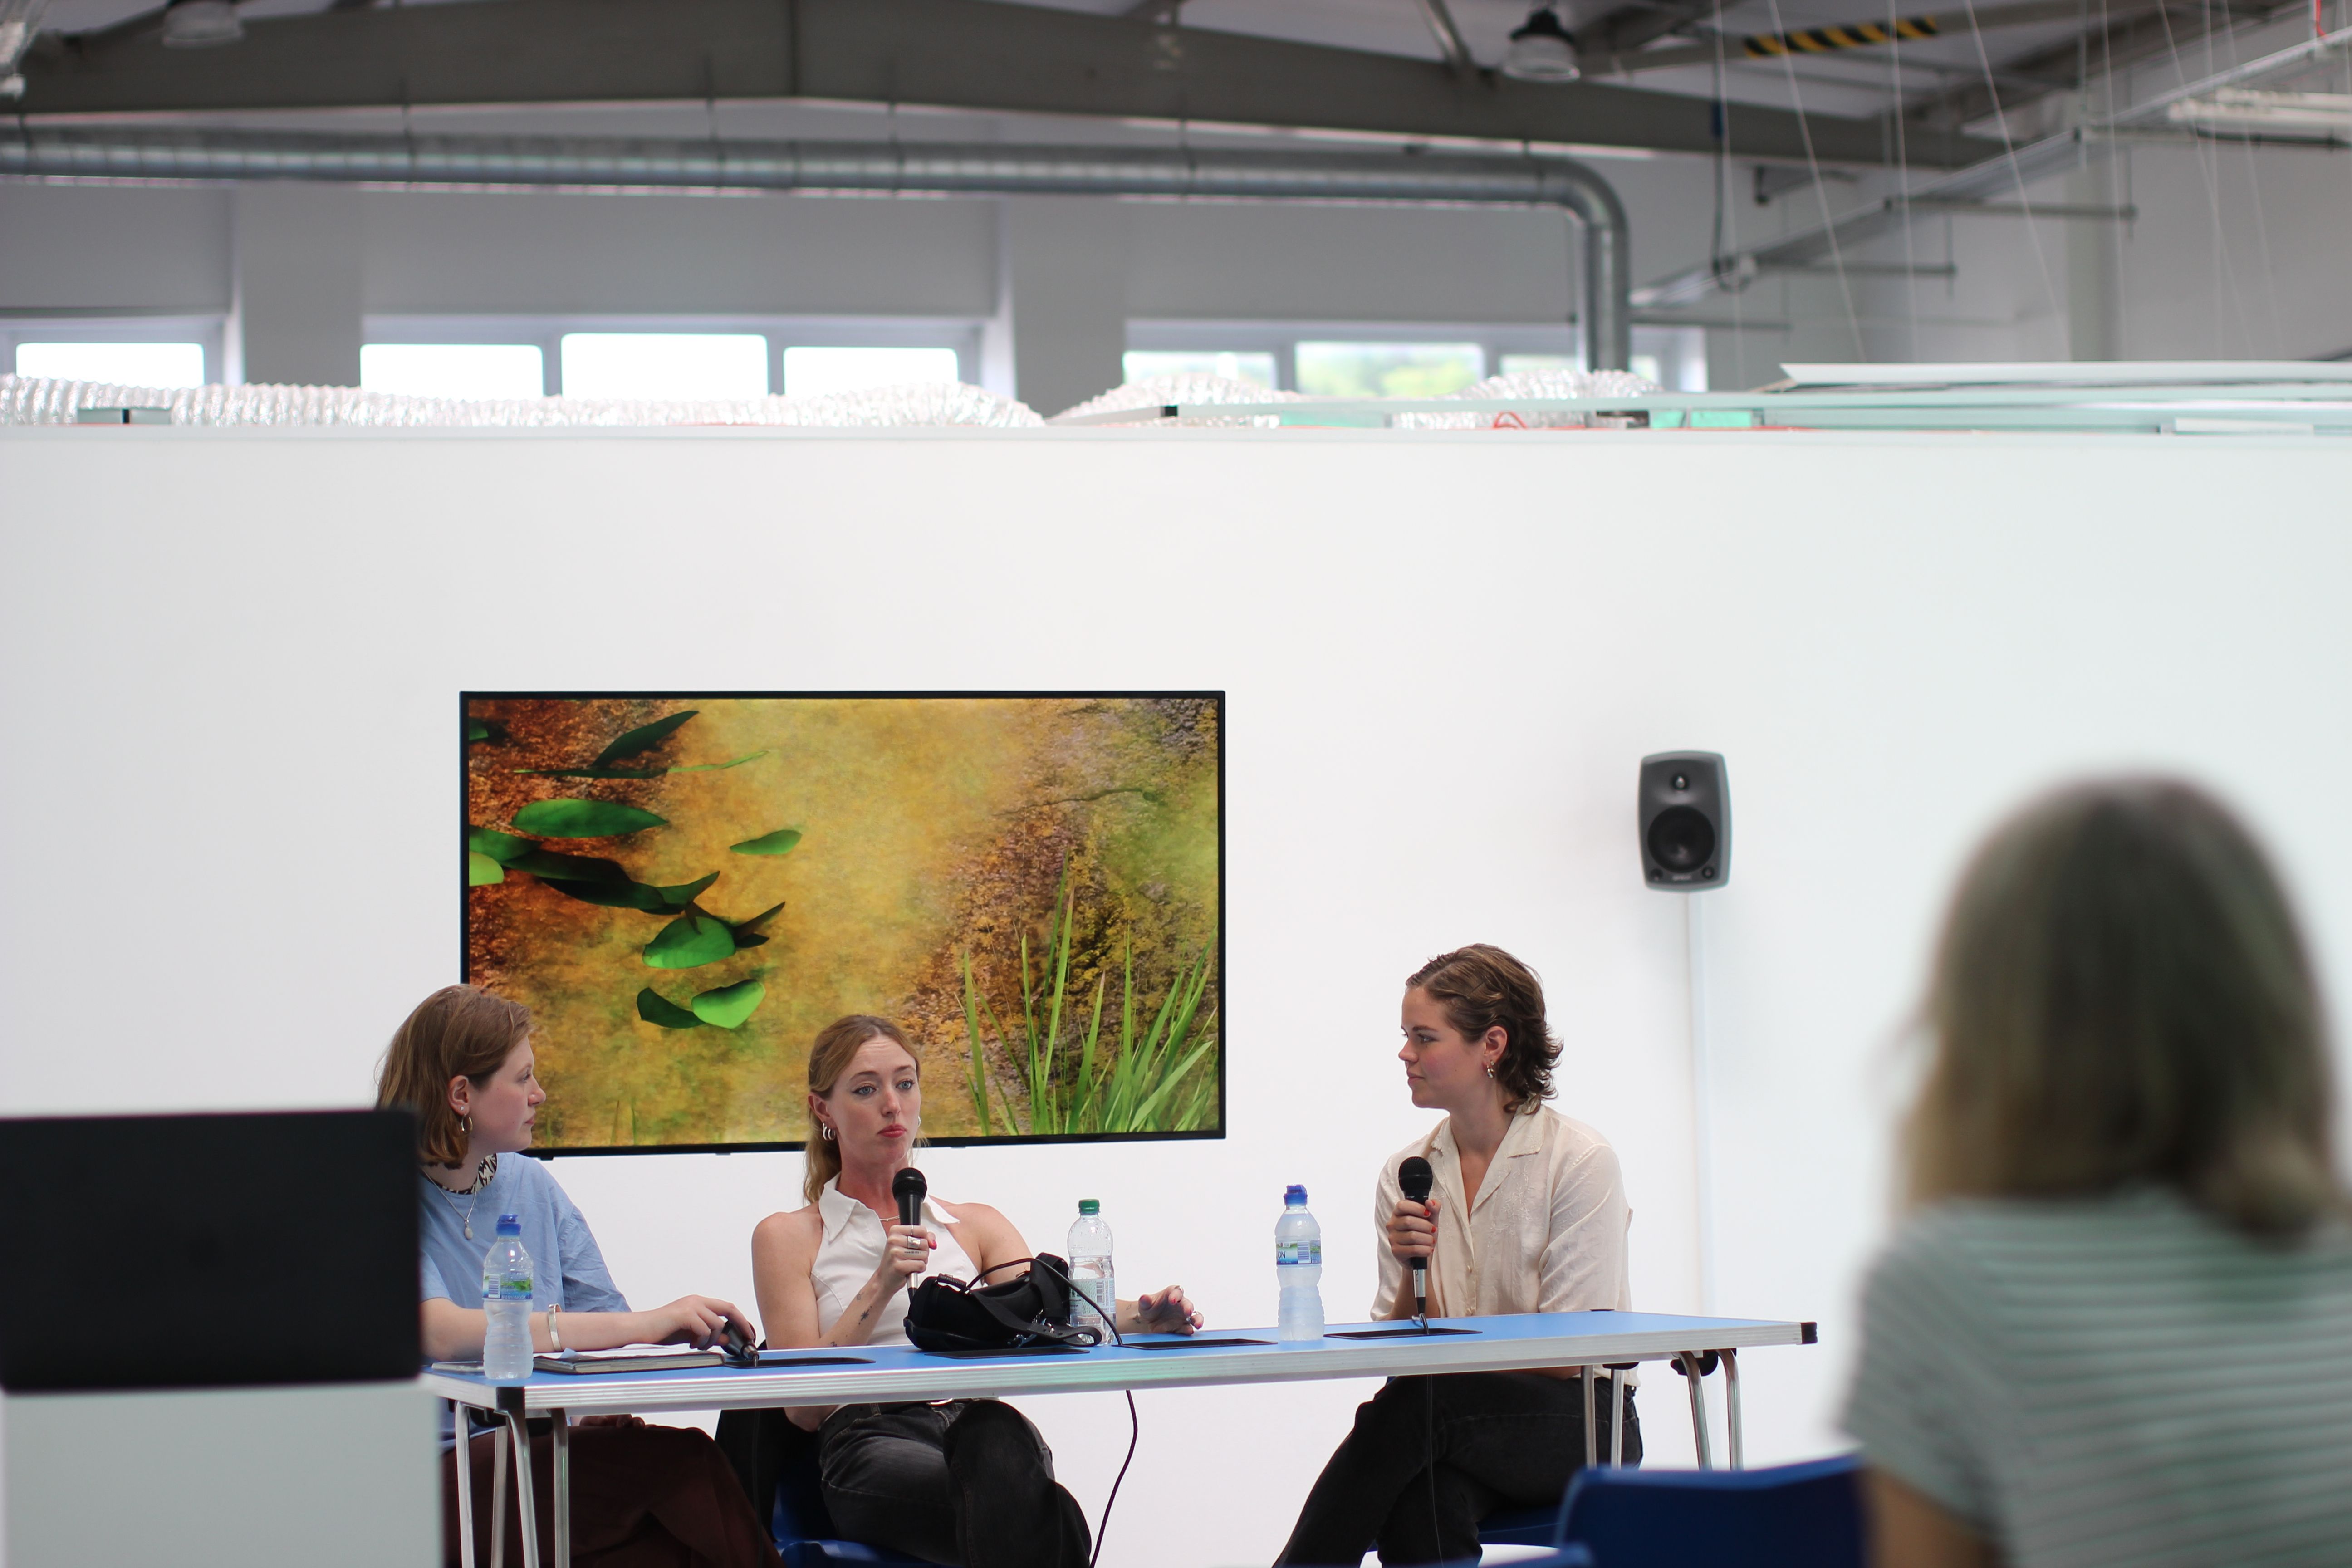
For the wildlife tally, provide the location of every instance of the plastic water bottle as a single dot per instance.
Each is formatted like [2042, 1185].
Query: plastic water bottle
[1298, 1268]
[505, 1303]
[1091, 1271]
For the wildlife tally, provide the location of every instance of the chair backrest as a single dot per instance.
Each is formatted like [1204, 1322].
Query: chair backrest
[1789, 1515]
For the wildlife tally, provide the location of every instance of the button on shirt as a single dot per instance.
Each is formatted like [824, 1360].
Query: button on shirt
[1546, 1235]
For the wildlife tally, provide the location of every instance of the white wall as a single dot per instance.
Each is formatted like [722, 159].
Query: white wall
[228, 661]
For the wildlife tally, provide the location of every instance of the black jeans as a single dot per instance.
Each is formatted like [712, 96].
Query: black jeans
[1501, 1439]
[969, 1483]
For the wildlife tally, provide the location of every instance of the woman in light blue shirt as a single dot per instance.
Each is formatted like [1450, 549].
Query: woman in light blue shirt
[641, 1495]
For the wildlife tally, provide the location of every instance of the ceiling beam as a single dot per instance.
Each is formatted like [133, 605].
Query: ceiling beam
[959, 54]
[1627, 27]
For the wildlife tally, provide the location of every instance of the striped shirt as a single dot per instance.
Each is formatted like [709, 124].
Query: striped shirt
[2114, 1381]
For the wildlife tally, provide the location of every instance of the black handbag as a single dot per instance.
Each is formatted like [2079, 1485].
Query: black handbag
[948, 1315]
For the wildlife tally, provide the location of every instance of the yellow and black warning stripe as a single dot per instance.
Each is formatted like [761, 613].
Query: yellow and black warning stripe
[1851, 36]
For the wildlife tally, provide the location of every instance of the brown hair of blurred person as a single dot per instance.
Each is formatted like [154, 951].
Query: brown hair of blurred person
[2121, 997]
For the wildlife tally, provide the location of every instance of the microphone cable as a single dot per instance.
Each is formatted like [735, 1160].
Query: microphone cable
[1134, 1422]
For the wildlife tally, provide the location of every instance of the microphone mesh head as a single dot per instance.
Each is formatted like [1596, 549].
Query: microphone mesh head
[1415, 1177]
[908, 1181]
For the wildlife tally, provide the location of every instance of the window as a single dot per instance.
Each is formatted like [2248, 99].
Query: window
[131, 364]
[454, 369]
[1251, 365]
[664, 364]
[1387, 370]
[813, 371]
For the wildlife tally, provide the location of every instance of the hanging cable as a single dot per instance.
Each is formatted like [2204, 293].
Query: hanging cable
[1813, 166]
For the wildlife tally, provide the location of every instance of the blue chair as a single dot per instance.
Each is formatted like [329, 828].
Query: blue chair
[805, 1536]
[1789, 1515]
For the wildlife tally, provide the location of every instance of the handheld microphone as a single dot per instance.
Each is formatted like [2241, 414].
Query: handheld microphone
[1416, 1178]
[909, 1188]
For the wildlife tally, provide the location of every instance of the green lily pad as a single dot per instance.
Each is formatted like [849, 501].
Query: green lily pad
[688, 942]
[656, 1008]
[501, 846]
[477, 731]
[481, 871]
[583, 818]
[554, 866]
[684, 893]
[780, 842]
[644, 738]
[756, 921]
[727, 1006]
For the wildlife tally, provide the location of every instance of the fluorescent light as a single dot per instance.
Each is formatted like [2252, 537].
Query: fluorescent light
[813, 372]
[126, 365]
[454, 369]
[2251, 111]
[664, 364]
[1541, 50]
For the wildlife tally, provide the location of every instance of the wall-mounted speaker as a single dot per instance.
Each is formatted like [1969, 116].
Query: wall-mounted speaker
[1684, 814]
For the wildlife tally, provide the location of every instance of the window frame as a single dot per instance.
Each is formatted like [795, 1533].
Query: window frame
[1681, 350]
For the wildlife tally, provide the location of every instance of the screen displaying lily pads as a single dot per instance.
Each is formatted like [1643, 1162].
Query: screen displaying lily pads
[684, 889]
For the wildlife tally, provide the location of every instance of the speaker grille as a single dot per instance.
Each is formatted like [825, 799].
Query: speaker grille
[1681, 838]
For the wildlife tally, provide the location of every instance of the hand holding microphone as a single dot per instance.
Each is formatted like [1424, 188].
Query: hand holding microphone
[1412, 1232]
[908, 1248]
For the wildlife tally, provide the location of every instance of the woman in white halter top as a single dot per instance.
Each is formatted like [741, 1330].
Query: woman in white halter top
[966, 1482]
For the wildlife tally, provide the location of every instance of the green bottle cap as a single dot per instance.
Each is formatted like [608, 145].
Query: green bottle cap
[1088, 1205]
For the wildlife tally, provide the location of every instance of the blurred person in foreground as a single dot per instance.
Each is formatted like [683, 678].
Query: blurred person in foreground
[2116, 1326]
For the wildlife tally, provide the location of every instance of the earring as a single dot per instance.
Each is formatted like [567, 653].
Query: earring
[1490, 1069]
[465, 1125]
[827, 1128]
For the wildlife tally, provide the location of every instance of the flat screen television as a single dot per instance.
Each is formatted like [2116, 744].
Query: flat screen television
[685, 887]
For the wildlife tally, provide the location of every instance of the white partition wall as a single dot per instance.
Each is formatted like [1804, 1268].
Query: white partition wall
[229, 662]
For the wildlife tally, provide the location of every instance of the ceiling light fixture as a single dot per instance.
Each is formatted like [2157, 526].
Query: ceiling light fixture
[1541, 50]
[201, 24]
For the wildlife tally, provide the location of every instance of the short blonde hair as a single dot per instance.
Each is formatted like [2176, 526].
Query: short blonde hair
[2120, 997]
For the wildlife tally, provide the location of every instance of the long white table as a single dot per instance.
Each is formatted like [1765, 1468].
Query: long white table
[895, 1373]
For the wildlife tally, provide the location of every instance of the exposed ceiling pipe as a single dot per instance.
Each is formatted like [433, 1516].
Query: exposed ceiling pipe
[143, 153]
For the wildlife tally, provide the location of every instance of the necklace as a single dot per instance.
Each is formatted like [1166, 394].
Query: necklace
[473, 1194]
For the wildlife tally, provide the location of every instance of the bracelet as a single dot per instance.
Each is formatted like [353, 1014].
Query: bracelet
[554, 1337]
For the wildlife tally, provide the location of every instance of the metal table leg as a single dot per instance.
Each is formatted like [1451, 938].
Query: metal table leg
[1617, 1414]
[526, 1501]
[1731, 1407]
[563, 1488]
[1698, 1416]
[1591, 1438]
[499, 1498]
[462, 1429]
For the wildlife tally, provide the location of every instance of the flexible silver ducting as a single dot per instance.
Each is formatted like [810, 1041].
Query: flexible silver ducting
[162, 153]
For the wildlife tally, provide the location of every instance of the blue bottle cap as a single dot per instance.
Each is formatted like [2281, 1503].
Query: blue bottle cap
[509, 1225]
[1294, 1196]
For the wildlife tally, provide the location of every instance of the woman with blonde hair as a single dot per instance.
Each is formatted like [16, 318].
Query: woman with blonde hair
[2117, 1324]
[643, 1496]
[968, 1481]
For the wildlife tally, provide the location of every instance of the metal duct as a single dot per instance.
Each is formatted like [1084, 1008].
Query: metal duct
[142, 152]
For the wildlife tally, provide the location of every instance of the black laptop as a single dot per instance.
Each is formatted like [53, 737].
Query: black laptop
[229, 1251]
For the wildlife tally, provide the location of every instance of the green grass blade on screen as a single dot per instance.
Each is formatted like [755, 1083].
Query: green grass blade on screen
[1161, 1081]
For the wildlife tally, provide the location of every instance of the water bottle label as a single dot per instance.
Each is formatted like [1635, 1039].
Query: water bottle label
[515, 1290]
[1290, 1252]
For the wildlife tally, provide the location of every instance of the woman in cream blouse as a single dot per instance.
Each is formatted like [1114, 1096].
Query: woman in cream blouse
[1528, 1214]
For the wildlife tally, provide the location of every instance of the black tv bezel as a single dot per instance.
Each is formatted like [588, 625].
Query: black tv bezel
[465, 910]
